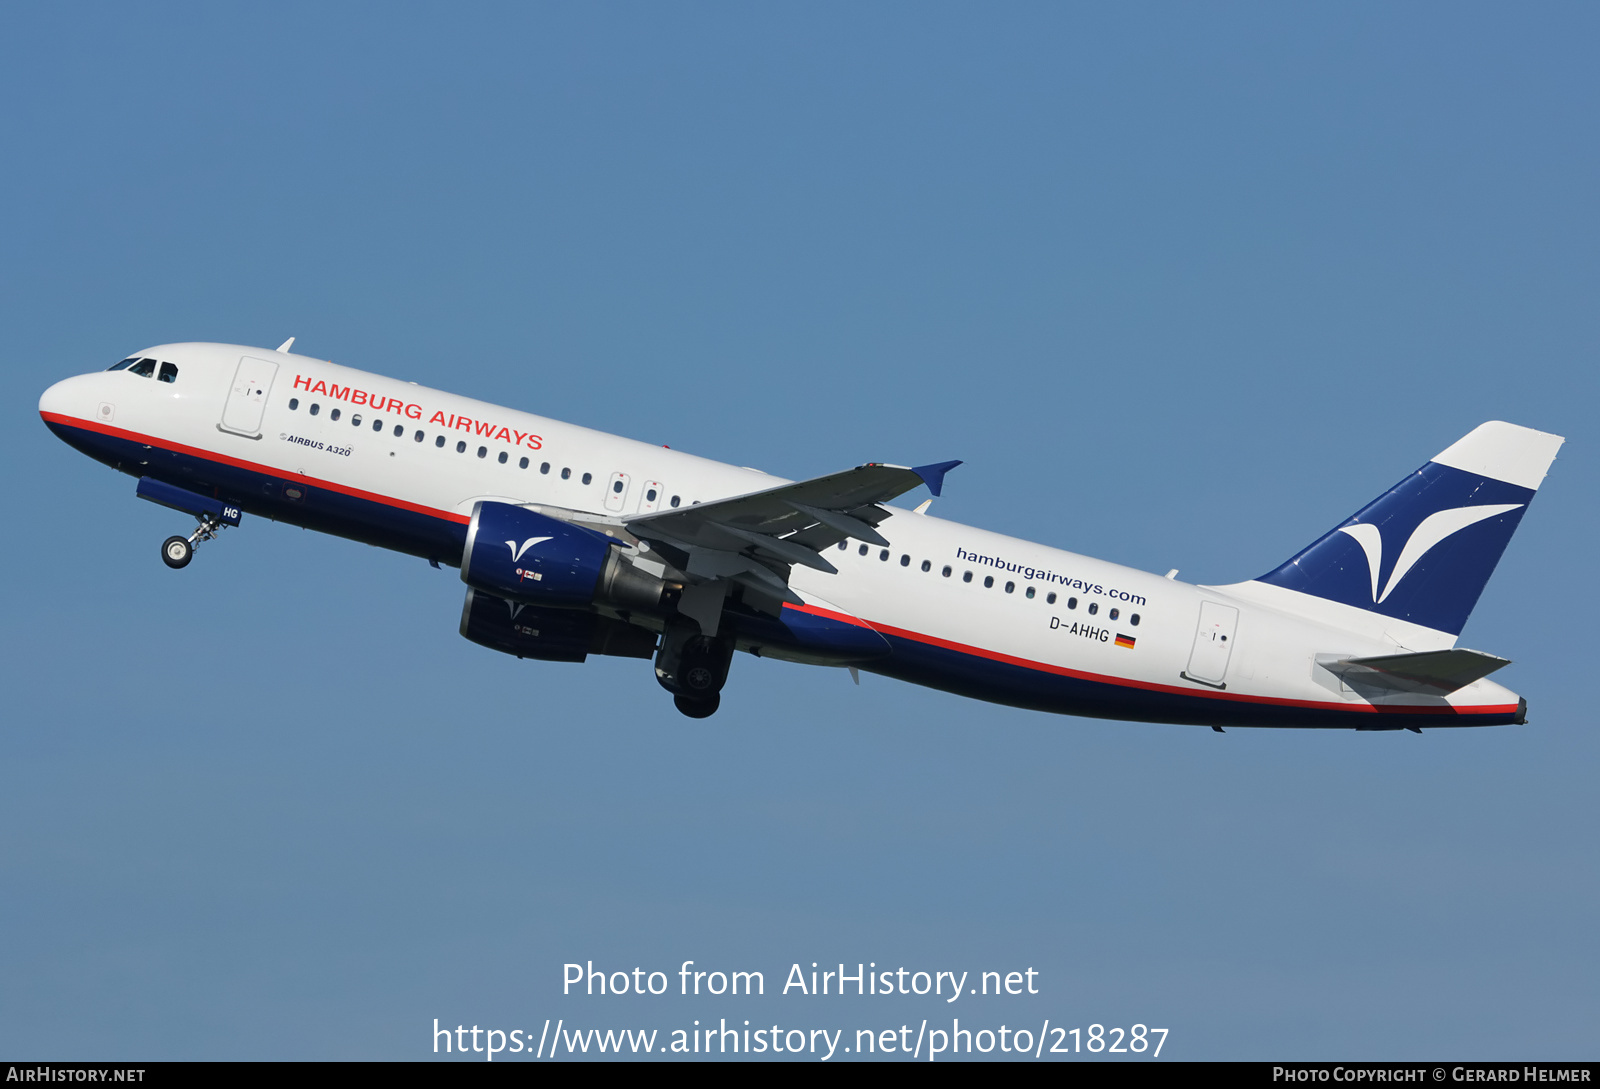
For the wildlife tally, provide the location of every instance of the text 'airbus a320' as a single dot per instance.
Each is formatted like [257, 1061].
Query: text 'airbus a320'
[573, 542]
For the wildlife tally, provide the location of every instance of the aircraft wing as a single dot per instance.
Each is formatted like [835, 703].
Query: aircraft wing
[1432, 672]
[755, 539]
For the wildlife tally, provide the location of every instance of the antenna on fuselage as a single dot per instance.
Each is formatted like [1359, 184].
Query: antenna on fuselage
[286, 345]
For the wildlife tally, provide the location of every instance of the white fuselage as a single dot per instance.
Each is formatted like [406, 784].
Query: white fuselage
[940, 583]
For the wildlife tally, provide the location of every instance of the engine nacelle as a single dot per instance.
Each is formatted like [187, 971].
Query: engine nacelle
[551, 635]
[521, 555]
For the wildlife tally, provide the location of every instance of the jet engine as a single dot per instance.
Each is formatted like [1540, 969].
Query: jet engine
[551, 635]
[521, 555]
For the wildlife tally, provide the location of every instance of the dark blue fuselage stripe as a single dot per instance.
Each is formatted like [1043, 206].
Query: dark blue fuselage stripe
[1039, 690]
[264, 495]
[435, 538]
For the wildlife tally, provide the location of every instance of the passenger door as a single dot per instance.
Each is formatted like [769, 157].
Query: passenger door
[247, 400]
[1213, 643]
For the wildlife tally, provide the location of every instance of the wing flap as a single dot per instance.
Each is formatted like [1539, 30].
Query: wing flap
[755, 539]
[809, 515]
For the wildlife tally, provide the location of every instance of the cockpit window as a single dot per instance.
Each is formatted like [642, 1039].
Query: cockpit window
[144, 368]
[124, 365]
[169, 373]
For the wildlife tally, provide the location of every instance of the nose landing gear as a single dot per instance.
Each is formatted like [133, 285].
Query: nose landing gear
[212, 512]
[176, 552]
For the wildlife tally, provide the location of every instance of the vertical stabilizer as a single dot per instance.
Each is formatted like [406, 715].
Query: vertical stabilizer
[1423, 551]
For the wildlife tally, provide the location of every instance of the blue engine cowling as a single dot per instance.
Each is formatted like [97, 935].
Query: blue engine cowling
[550, 635]
[522, 555]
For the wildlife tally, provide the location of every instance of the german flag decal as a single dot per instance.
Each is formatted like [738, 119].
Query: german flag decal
[1125, 641]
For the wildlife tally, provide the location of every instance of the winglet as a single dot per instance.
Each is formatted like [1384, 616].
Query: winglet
[933, 475]
[286, 345]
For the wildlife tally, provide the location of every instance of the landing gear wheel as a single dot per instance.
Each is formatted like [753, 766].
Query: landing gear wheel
[693, 667]
[700, 680]
[703, 707]
[176, 552]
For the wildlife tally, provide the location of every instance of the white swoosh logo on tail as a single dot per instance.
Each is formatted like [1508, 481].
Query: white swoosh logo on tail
[1370, 539]
[1434, 529]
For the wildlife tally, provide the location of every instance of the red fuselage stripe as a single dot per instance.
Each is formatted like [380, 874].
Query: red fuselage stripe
[919, 637]
[240, 463]
[1150, 686]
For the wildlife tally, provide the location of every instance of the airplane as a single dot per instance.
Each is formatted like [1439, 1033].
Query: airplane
[574, 542]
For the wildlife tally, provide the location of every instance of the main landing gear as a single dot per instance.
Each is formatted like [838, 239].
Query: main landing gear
[693, 668]
[176, 552]
[704, 707]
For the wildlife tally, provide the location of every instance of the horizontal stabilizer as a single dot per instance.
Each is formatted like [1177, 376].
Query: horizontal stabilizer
[1432, 672]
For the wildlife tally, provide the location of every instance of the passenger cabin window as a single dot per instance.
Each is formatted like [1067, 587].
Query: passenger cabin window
[588, 477]
[439, 442]
[503, 456]
[483, 451]
[674, 501]
[418, 436]
[523, 464]
[315, 408]
[169, 373]
[461, 447]
[544, 468]
[399, 430]
[294, 403]
[333, 414]
[355, 421]
[566, 474]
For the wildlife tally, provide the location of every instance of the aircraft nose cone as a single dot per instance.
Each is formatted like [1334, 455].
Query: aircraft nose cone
[57, 399]
[80, 397]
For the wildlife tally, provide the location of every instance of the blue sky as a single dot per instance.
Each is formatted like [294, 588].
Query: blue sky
[1182, 285]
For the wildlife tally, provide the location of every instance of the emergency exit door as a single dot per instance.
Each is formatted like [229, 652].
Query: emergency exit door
[617, 491]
